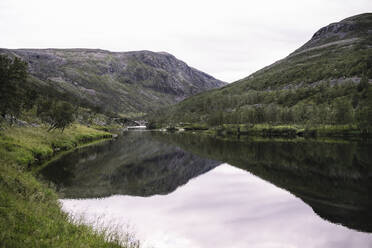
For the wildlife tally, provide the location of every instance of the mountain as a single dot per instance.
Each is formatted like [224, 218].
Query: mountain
[325, 81]
[338, 52]
[121, 82]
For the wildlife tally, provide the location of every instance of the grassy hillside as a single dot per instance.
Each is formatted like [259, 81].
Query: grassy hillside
[30, 215]
[118, 82]
[326, 81]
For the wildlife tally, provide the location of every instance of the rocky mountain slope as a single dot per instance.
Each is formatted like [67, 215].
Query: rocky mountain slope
[310, 83]
[346, 31]
[121, 82]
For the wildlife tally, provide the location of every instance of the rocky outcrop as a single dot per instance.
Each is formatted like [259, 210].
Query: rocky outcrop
[121, 82]
[348, 30]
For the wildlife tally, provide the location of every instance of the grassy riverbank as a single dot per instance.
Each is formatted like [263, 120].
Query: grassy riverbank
[267, 130]
[30, 215]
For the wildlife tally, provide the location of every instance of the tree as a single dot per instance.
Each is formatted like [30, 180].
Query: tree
[259, 114]
[216, 118]
[364, 119]
[271, 113]
[286, 115]
[363, 84]
[13, 94]
[58, 114]
[363, 115]
[300, 113]
[343, 112]
[151, 124]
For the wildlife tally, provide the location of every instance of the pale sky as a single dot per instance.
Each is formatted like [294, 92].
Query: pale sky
[227, 39]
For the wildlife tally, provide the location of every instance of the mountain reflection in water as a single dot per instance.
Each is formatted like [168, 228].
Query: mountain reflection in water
[237, 208]
[137, 164]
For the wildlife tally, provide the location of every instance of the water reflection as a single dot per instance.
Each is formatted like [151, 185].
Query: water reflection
[224, 206]
[333, 177]
[136, 164]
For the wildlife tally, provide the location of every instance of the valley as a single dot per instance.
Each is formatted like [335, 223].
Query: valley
[91, 140]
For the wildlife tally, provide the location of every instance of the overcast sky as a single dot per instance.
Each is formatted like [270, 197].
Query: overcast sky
[227, 39]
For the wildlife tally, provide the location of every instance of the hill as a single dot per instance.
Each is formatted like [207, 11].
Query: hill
[325, 81]
[119, 82]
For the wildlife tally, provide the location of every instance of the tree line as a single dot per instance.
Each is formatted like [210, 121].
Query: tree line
[323, 104]
[17, 95]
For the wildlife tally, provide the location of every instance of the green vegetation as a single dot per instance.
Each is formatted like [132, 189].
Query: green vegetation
[316, 108]
[112, 83]
[14, 93]
[322, 89]
[268, 130]
[57, 114]
[28, 146]
[17, 96]
[23, 100]
[30, 215]
[315, 86]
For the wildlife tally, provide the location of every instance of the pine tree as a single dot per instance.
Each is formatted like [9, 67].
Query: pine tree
[13, 74]
[363, 84]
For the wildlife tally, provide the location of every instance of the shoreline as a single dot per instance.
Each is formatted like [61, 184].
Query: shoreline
[60, 154]
[272, 131]
[30, 213]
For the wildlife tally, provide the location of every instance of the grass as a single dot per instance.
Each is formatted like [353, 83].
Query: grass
[290, 131]
[30, 214]
[27, 146]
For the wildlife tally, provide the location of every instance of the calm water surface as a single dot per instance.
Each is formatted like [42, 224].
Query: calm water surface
[180, 190]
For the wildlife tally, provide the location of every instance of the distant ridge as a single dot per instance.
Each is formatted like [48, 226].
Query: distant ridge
[316, 83]
[120, 82]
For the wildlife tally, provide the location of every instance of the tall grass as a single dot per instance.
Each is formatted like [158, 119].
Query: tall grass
[30, 214]
[26, 145]
[112, 232]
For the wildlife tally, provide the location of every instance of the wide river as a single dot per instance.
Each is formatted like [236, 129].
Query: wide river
[190, 190]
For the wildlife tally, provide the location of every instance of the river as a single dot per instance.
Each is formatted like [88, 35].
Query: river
[190, 190]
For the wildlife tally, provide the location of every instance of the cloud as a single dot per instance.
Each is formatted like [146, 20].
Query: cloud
[228, 39]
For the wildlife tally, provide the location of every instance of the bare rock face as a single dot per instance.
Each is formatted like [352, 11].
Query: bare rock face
[348, 30]
[121, 82]
[335, 29]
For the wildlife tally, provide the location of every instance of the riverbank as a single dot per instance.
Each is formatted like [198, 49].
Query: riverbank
[30, 214]
[267, 130]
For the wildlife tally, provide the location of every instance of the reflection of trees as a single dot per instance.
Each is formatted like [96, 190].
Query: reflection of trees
[334, 178]
[135, 164]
